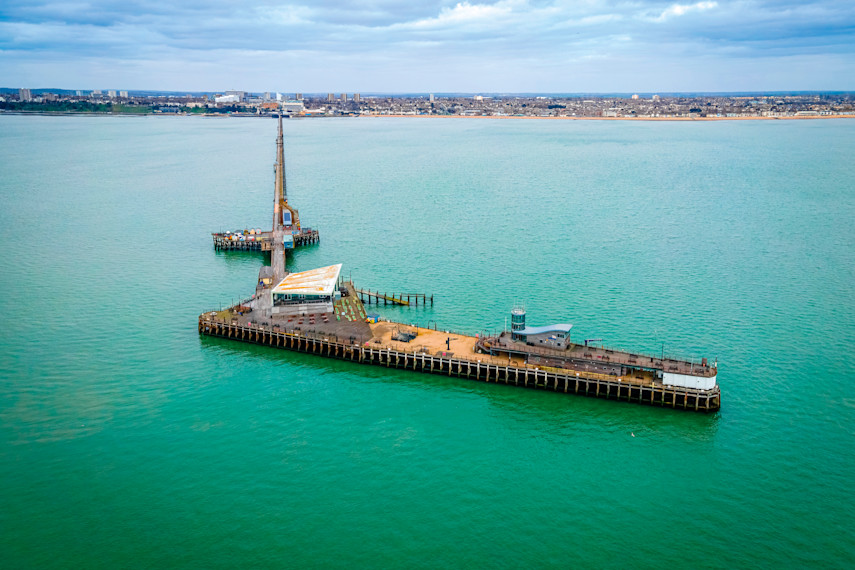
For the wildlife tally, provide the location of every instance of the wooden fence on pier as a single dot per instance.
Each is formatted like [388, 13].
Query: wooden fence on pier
[593, 385]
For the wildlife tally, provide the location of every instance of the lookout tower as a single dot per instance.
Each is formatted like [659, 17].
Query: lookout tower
[517, 320]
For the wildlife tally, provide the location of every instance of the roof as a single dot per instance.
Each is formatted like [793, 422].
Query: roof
[320, 281]
[547, 329]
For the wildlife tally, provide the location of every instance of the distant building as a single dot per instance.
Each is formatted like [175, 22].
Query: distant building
[357, 97]
[79, 93]
[298, 96]
[25, 94]
[227, 99]
[293, 107]
[111, 93]
[266, 96]
[343, 97]
[635, 96]
[96, 92]
[240, 95]
[123, 94]
[655, 97]
[431, 97]
[330, 97]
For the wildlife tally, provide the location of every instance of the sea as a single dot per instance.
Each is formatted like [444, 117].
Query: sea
[129, 441]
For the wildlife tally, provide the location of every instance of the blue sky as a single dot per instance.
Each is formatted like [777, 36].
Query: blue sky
[430, 46]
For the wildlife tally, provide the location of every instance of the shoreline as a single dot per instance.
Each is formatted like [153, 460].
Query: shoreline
[399, 116]
[684, 119]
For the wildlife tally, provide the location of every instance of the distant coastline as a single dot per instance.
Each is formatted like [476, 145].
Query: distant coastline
[634, 108]
[400, 116]
[684, 119]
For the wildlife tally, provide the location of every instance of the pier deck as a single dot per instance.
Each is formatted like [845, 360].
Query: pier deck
[262, 241]
[598, 359]
[347, 324]
[470, 366]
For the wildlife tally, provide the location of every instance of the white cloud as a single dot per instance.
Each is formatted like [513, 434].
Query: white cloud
[464, 12]
[681, 9]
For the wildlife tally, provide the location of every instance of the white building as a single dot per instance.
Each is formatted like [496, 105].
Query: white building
[293, 107]
[312, 291]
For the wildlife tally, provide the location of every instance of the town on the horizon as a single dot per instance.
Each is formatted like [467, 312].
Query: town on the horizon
[243, 103]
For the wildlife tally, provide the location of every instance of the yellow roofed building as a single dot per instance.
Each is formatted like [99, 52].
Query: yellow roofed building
[312, 291]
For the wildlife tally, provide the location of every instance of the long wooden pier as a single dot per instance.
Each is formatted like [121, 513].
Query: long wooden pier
[570, 382]
[367, 295]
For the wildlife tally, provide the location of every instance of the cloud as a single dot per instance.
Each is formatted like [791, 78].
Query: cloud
[464, 12]
[394, 46]
[681, 9]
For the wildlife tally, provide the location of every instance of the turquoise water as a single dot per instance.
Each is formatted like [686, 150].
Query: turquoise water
[126, 440]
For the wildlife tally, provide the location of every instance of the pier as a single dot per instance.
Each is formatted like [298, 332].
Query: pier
[287, 232]
[393, 299]
[261, 242]
[467, 366]
[318, 312]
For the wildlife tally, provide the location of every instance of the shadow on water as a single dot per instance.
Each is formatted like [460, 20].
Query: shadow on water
[556, 413]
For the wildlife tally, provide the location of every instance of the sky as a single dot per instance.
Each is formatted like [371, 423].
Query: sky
[424, 46]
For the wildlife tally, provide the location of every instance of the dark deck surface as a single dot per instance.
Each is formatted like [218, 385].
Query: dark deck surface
[598, 359]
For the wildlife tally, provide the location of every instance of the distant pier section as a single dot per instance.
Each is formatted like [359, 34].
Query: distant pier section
[257, 240]
[287, 232]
